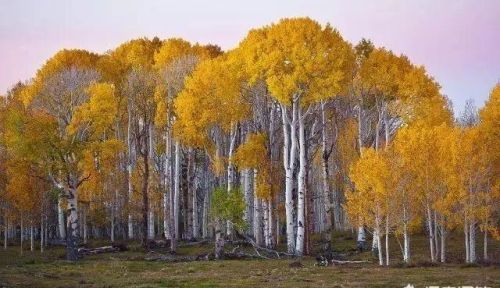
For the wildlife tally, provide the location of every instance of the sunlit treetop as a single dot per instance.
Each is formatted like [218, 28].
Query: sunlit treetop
[64, 59]
[299, 57]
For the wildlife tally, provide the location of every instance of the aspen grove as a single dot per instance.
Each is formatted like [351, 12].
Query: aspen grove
[295, 132]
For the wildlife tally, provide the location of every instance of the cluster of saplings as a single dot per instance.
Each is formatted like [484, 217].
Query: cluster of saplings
[294, 132]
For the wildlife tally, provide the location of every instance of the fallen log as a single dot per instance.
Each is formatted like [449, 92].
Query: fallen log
[267, 250]
[104, 249]
[328, 259]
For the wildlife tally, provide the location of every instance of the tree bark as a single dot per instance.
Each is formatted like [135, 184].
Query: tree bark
[485, 244]
[431, 233]
[6, 232]
[32, 238]
[472, 240]
[387, 241]
[257, 214]
[72, 236]
[22, 234]
[466, 234]
[247, 187]
[42, 232]
[60, 218]
[301, 183]
[289, 149]
[190, 193]
[196, 222]
[129, 172]
[177, 187]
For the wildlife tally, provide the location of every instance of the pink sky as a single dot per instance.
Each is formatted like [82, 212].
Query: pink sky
[458, 41]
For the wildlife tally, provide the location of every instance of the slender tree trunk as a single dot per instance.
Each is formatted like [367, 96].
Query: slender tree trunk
[443, 243]
[247, 185]
[387, 241]
[72, 236]
[177, 187]
[289, 150]
[485, 244]
[145, 197]
[196, 222]
[190, 193]
[129, 172]
[60, 218]
[472, 240]
[376, 234]
[6, 232]
[42, 232]
[431, 233]
[85, 234]
[151, 222]
[406, 249]
[257, 220]
[361, 239]
[204, 225]
[265, 222]
[299, 248]
[32, 239]
[327, 219]
[112, 228]
[219, 240]
[230, 172]
[466, 234]
[270, 221]
[436, 235]
[22, 234]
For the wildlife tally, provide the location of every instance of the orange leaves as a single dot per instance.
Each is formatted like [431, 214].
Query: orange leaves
[211, 97]
[99, 113]
[253, 153]
[299, 57]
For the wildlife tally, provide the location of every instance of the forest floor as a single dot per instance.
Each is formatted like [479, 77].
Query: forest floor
[130, 269]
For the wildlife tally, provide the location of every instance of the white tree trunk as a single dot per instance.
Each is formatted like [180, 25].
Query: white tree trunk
[324, 179]
[32, 239]
[60, 218]
[257, 213]
[247, 187]
[129, 172]
[270, 226]
[387, 242]
[151, 222]
[177, 183]
[443, 244]
[289, 150]
[406, 244]
[230, 171]
[361, 237]
[196, 223]
[265, 222]
[166, 232]
[431, 233]
[204, 228]
[472, 242]
[72, 227]
[376, 235]
[301, 183]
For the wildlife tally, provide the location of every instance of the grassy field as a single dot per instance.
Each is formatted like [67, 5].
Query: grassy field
[129, 269]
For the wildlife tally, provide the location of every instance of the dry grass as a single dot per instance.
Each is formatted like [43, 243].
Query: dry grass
[128, 269]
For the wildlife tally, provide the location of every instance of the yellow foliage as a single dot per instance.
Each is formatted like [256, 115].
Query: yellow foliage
[298, 56]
